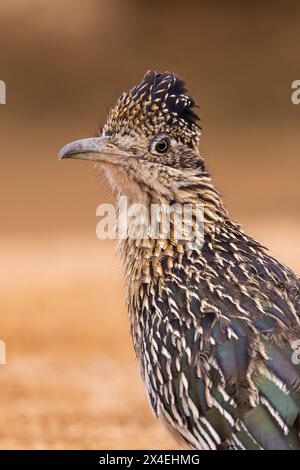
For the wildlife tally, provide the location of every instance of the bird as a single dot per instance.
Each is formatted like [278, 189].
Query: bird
[214, 319]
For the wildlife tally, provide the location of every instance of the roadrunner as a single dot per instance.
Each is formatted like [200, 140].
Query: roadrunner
[215, 325]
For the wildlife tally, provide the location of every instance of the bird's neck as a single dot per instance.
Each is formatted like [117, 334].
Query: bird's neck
[146, 257]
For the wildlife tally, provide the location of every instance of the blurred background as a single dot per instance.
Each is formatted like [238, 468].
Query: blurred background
[71, 380]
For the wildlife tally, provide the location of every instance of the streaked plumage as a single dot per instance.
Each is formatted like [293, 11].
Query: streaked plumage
[213, 326]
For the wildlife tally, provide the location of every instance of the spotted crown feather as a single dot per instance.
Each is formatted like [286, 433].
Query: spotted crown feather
[157, 104]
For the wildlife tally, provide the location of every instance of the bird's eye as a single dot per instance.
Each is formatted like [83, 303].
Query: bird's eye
[162, 146]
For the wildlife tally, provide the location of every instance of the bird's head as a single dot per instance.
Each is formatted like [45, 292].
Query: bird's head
[149, 141]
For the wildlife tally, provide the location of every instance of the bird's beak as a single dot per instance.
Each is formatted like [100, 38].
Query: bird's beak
[96, 149]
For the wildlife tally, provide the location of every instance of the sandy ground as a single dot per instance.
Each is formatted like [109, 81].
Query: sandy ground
[71, 380]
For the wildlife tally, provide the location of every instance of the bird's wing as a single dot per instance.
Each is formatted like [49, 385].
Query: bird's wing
[236, 379]
[254, 386]
[255, 359]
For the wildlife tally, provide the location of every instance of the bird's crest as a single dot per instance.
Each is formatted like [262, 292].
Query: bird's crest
[157, 104]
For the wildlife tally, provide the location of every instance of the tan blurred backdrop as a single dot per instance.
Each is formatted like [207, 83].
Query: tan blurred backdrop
[71, 380]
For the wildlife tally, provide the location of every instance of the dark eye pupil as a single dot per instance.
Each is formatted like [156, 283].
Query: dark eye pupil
[162, 146]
